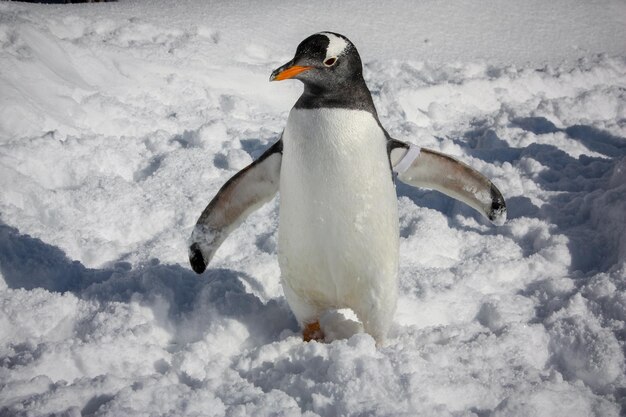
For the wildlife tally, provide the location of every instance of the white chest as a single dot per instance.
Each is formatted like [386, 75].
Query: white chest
[338, 231]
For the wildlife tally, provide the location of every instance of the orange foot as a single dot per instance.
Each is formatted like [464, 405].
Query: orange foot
[313, 331]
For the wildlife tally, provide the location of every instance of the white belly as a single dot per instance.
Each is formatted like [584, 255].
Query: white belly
[338, 233]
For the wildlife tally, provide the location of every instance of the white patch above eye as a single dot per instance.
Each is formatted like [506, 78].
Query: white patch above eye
[336, 45]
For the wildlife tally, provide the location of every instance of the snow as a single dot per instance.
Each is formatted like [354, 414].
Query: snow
[119, 122]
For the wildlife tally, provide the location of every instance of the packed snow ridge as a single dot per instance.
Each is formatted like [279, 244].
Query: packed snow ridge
[120, 121]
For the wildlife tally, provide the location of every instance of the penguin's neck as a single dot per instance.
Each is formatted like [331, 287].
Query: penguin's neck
[353, 95]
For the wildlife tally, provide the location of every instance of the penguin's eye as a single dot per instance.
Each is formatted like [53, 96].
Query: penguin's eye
[330, 61]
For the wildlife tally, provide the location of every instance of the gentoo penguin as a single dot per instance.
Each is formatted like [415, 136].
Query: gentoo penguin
[335, 166]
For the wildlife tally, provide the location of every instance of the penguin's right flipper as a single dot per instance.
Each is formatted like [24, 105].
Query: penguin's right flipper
[245, 192]
[430, 169]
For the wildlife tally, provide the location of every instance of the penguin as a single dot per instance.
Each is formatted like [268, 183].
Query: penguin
[335, 167]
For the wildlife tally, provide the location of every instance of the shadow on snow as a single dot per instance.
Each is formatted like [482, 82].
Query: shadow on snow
[583, 188]
[27, 262]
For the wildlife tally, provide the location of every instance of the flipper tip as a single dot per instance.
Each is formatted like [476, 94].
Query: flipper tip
[196, 259]
[497, 212]
[498, 215]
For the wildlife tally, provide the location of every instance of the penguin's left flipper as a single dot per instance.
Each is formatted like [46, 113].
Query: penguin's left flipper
[245, 192]
[426, 168]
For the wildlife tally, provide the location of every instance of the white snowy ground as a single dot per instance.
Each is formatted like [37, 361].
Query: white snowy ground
[119, 122]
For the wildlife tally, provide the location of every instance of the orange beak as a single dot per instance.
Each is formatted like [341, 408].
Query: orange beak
[285, 72]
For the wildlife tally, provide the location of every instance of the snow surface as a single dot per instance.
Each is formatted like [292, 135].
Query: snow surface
[119, 122]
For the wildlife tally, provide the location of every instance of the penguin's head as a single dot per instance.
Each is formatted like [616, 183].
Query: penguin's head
[325, 60]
